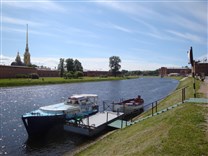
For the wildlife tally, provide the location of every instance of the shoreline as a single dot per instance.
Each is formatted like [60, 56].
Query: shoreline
[4, 83]
[20, 82]
[85, 147]
[101, 137]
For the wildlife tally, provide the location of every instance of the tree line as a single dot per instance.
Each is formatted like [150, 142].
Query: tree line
[70, 68]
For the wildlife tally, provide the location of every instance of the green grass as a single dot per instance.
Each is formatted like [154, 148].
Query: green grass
[54, 80]
[176, 96]
[180, 131]
[177, 132]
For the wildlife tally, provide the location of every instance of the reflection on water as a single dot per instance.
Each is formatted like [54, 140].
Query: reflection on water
[19, 100]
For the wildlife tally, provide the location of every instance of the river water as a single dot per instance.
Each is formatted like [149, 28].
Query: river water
[15, 101]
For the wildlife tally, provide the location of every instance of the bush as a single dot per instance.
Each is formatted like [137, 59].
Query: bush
[68, 75]
[21, 76]
[103, 76]
[34, 76]
[78, 74]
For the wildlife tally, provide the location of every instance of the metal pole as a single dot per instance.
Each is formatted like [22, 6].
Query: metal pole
[88, 121]
[194, 86]
[103, 106]
[107, 117]
[183, 94]
[193, 75]
[117, 112]
[123, 107]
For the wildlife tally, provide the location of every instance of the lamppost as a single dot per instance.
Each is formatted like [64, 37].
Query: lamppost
[193, 64]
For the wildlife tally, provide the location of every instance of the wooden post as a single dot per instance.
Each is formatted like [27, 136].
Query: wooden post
[152, 108]
[182, 96]
[156, 106]
[184, 93]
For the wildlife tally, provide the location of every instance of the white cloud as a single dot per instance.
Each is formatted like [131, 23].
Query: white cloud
[84, 44]
[114, 26]
[189, 24]
[6, 60]
[143, 65]
[197, 13]
[188, 36]
[11, 20]
[110, 25]
[49, 62]
[45, 5]
[203, 58]
[129, 8]
[101, 64]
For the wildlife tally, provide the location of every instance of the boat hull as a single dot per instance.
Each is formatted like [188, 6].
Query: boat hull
[37, 126]
[127, 109]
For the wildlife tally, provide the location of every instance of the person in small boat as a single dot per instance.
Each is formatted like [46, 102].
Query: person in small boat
[138, 99]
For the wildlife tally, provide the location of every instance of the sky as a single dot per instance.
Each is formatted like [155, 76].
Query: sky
[146, 35]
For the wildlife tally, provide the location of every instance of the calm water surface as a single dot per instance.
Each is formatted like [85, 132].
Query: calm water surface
[16, 101]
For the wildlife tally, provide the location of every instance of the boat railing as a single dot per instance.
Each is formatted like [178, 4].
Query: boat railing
[42, 114]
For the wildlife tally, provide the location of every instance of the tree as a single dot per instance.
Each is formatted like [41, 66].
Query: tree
[124, 72]
[114, 64]
[69, 64]
[68, 75]
[77, 65]
[61, 67]
[78, 74]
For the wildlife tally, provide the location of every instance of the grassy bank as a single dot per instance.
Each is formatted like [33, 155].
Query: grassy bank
[54, 80]
[181, 131]
[176, 96]
[177, 132]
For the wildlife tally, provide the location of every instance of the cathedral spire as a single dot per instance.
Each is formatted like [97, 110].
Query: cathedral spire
[27, 53]
[27, 48]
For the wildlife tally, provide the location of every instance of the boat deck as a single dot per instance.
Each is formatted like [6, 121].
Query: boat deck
[93, 124]
[100, 118]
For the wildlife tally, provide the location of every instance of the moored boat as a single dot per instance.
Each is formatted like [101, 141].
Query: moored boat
[129, 106]
[40, 121]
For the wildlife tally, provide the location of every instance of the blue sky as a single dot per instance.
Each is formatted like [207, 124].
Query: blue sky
[144, 34]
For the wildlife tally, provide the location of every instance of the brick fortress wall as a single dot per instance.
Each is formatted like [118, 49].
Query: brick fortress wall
[12, 71]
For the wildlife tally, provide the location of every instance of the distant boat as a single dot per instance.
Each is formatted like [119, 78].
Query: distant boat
[129, 106]
[40, 121]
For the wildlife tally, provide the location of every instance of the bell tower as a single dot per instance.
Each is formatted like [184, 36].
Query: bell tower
[27, 53]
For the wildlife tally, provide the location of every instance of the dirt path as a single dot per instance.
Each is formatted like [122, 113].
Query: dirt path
[204, 87]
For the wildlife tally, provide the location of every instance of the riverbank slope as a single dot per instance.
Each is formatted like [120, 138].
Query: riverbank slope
[180, 131]
[56, 80]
